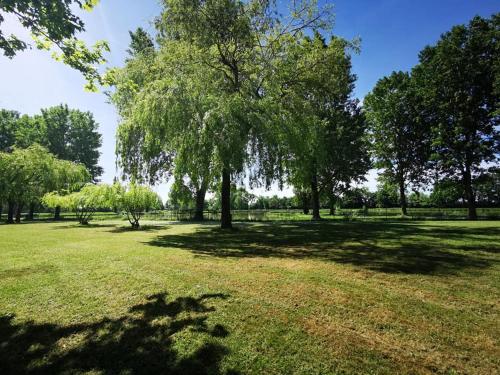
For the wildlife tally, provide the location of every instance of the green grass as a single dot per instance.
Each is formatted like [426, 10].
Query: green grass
[267, 298]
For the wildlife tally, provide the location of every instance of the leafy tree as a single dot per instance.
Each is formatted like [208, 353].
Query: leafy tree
[135, 200]
[387, 194]
[325, 134]
[418, 199]
[401, 139]
[52, 23]
[358, 197]
[459, 80]
[28, 174]
[446, 193]
[71, 134]
[487, 188]
[235, 42]
[163, 130]
[140, 43]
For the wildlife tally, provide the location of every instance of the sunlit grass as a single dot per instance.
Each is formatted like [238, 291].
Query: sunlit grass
[331, 297]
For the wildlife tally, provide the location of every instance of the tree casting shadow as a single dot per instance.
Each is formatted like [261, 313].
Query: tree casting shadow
[386, 247]
[139, 342]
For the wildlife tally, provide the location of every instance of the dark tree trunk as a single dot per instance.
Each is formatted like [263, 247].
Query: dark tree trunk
[305, 203]
[200, 203]
[332, 205]
[31, 213]
[10, 212]
[402, 197]
[57, 213]
[1, 208]
[469, 194]
[315, 197]
[18, 212]
[225, 216]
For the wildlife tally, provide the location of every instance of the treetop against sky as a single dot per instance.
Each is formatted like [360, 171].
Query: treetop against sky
[392, 32]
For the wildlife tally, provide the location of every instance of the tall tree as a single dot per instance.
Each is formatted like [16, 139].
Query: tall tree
[236, 40]
[459, 79]
[53, 23]
[401, 138]
[72, 135]
[140, 43]
[325, 133]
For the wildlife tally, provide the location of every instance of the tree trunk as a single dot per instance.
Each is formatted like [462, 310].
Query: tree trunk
[200, 203]
[305, 204]
[332, 205]
[18, 212]
[225, 216]
[402, 197]
[57, 213]
[10, 212]
[1, 208]
[315, 197]
[31, 213]
[469, 194]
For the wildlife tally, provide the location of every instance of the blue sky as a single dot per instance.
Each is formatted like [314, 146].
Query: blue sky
[392, 33]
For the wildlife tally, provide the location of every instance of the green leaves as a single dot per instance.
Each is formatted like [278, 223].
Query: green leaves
[27, 174]
[134, 200]
[54, 26]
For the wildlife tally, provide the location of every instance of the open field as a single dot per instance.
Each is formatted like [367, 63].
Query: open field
[287, 298]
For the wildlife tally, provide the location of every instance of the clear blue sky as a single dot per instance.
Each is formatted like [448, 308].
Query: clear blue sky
[392, 34]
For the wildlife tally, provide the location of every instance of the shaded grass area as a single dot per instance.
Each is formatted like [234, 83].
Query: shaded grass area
[274, 298]
[395, 247]
[133, 343]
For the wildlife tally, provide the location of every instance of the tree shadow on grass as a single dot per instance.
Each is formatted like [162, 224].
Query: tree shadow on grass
[142, 228]
[140, 342]
[387, 247]
[76, 225]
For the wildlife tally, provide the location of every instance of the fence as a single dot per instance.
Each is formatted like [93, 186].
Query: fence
[296, 214]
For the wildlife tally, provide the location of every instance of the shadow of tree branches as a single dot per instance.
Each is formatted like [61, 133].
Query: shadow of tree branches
[140, 342]
[387, 247]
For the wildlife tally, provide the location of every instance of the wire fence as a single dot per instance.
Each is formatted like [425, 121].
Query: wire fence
[294, 214]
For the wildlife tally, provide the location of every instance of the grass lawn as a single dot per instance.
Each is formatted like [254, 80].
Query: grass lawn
[267, 298]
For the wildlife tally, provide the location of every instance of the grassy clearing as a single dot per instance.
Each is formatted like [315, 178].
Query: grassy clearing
[303, 298]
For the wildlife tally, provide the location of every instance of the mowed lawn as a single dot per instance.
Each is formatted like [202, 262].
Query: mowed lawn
[270, 298]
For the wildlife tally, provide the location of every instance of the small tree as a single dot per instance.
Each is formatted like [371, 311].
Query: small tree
[84, 202]
[135, 200]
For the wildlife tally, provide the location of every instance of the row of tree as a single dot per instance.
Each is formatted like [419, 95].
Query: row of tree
[444, 194]
[440, 122]
[232, 89]
[237, 89]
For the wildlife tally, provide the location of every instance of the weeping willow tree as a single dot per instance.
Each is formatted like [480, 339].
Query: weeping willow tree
[27, 174]
[202, 106]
